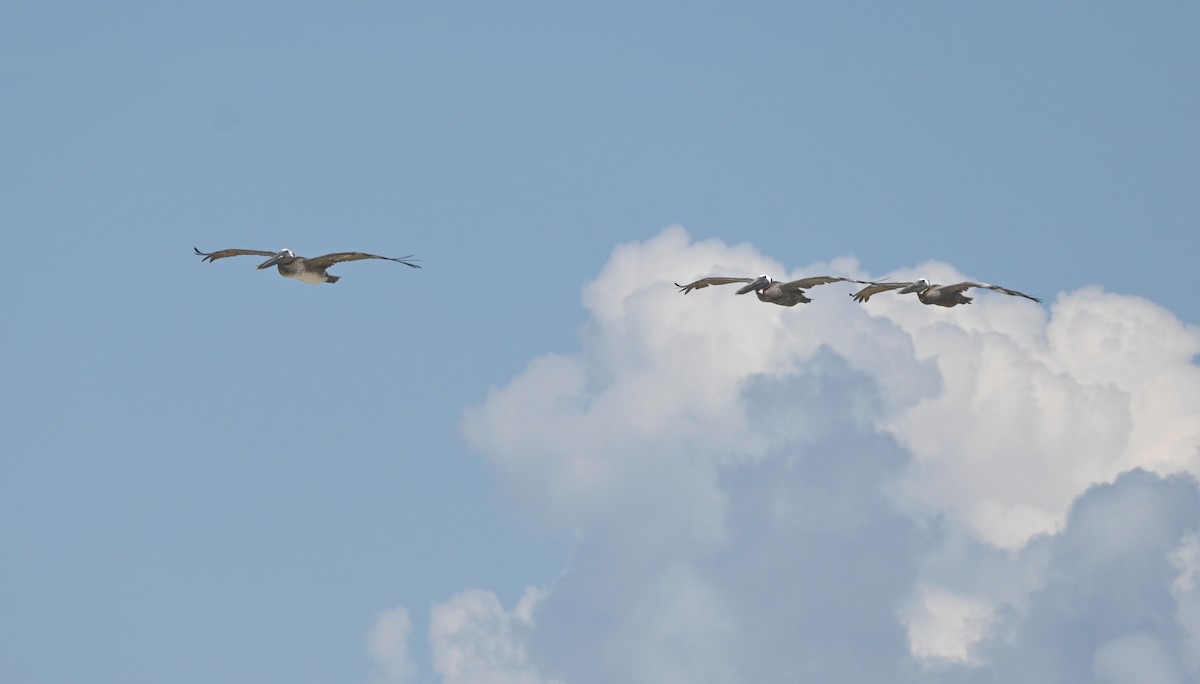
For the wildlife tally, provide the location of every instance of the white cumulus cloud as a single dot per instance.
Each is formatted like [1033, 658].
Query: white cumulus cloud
[476, 641]
[845, 492]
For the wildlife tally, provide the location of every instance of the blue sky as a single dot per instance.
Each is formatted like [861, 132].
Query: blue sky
[211, 472]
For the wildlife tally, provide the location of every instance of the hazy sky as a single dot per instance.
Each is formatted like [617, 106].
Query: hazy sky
[533, 460]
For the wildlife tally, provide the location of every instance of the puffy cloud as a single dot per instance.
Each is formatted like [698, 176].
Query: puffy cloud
[845, 492]
[388, 646]
[474, 640]
[946, 626]
[1032, 412]
[1112, 602]
[756, 597]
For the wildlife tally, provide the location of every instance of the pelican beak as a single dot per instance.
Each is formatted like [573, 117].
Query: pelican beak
[273, 260]
[758, 284]
[915, 287]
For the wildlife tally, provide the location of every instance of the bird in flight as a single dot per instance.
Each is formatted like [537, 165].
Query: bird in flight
[936, 295]
[307, 270]
[768, 290]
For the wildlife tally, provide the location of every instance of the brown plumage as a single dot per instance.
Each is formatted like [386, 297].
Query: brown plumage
[303, 269]
[935, 295]
[767, 290]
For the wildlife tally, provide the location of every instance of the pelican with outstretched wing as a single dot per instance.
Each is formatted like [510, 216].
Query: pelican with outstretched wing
[768, 290]
[310, 271]
[936, 295]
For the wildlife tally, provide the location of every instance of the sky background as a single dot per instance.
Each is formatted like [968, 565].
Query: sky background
[533, 460]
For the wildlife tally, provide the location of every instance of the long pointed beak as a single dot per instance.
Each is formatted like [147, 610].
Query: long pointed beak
[915, 287]
[758, 284]
[272, 261]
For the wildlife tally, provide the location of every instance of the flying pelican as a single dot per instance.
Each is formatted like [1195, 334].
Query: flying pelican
[939, 295]
[310, 271]
[772, 291]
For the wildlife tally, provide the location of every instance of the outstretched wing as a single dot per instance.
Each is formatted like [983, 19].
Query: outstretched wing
[213, 256]
[959, 287]
[327, 260]
[805, 283]
[705, 282]
[875, 288]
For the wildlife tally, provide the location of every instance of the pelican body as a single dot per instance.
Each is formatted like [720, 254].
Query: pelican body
[312, 271]
[768, 290]
[935, 295]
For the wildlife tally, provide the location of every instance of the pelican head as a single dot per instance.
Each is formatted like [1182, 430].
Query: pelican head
[919, 286]
[759, 283]
[283, 256]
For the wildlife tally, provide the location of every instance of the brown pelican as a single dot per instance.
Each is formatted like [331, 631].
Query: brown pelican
[939, 295]
[310, 271]
[772, 291]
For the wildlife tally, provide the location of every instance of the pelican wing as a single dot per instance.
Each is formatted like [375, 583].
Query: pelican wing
[805, 283]
[875, 288]
[327, 260]
[959, 287]
[213, 256]
[705, 282]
